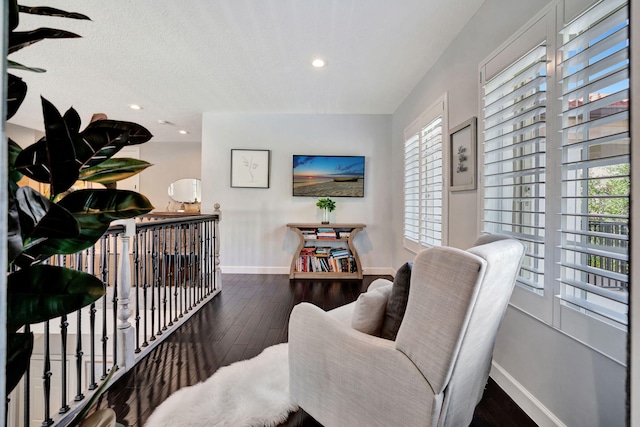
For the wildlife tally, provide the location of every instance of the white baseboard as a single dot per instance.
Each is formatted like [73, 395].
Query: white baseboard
[378, 271]
[238, 269]
[539, 413]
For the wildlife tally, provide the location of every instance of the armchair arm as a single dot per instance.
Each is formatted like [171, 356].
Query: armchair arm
[343, 377]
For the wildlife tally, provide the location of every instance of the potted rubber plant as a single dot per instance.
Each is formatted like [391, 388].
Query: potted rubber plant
[61, 222]
[327, 206]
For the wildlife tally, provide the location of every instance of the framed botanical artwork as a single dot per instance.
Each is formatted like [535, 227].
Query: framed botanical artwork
[250, 168]
[462, 163]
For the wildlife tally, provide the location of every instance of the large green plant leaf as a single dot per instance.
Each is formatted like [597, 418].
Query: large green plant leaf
[104, 138]
[94, 210]
[22, 39]
[52, 159]
[50, 11]
[73, 122]
[90, 233]
[16, 91]
[17, 66]
[103, 206]
[114, 170]
[137, 134]
[42, 292]
[62, 156]
[19, 349]
[14, 151]
[13, 15]
[14, 234]
[95, 145]
[39, 217]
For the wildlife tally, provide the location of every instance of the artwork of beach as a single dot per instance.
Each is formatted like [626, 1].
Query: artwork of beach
[328, 176]
[329, 188]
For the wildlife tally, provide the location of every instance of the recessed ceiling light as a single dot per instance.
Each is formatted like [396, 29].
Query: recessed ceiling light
[184, 132]
[318, 62]
[163, 122]
[135, 107]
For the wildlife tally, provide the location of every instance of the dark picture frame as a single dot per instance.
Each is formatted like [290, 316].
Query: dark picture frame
[462, 158]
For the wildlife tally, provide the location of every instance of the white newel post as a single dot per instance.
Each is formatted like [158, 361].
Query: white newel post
[216, 247]
[126, 333]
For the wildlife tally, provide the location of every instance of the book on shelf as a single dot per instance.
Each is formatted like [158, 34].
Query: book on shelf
[326, 233]
[309, 233]
[326, 263]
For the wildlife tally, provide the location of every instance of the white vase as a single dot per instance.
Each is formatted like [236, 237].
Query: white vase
[325, 216]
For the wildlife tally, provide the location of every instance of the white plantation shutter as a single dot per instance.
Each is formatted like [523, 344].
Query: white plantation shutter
[423, 180]
[595, 162]
[431, 184]
[412, 188]
[514, 115]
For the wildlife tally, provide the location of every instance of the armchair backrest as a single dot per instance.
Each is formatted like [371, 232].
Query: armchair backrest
[444, 285]
[456, 302]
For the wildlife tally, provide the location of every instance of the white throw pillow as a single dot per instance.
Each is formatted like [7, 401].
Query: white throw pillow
[368, 313]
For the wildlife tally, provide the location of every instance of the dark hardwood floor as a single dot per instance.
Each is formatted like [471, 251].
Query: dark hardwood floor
[250, 314]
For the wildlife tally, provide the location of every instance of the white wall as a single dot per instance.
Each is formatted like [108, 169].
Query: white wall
[254, 236]
[552, 376]
[23, 136]
[171, 161]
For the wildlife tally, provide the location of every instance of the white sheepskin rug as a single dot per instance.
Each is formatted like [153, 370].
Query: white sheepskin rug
[252, 392]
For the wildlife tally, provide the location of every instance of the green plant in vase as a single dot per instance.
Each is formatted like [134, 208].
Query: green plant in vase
[64, 222]
[327, 205]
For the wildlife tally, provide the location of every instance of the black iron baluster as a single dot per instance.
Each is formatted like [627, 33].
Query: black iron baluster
[198, 267]
[92, 324]
[79, 353]
[46, 378]
[176, 260]
[63, 343]
[215, 254]
[155, 261]
[192, 276]
[165, 271]
[158, 283]
[211, 257]
[145, 273]
[171, 275]
[190, 267]
[183, 270]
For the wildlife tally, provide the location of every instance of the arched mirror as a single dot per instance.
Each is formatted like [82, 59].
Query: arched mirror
[185, 190]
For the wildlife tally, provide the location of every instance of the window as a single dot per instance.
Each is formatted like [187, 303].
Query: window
[514, 159]
[555, 155]
[595, 162]
[423, 180]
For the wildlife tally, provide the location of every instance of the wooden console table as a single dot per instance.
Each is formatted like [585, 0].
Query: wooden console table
[319, 256]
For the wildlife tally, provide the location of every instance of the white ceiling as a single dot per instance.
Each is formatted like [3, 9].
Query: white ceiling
[179, 59]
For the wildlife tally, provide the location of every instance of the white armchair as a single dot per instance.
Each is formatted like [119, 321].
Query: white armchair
[435, 372]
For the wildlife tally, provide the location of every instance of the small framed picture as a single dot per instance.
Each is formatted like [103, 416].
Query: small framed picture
[250, 168]
[462, 149]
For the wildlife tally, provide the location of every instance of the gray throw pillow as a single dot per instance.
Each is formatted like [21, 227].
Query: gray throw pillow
[397, 303]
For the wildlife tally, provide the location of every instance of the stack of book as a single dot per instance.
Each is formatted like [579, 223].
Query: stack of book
[340, 252]
[308, 233]
[326, 233]
[344, 234]
[323, 251]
